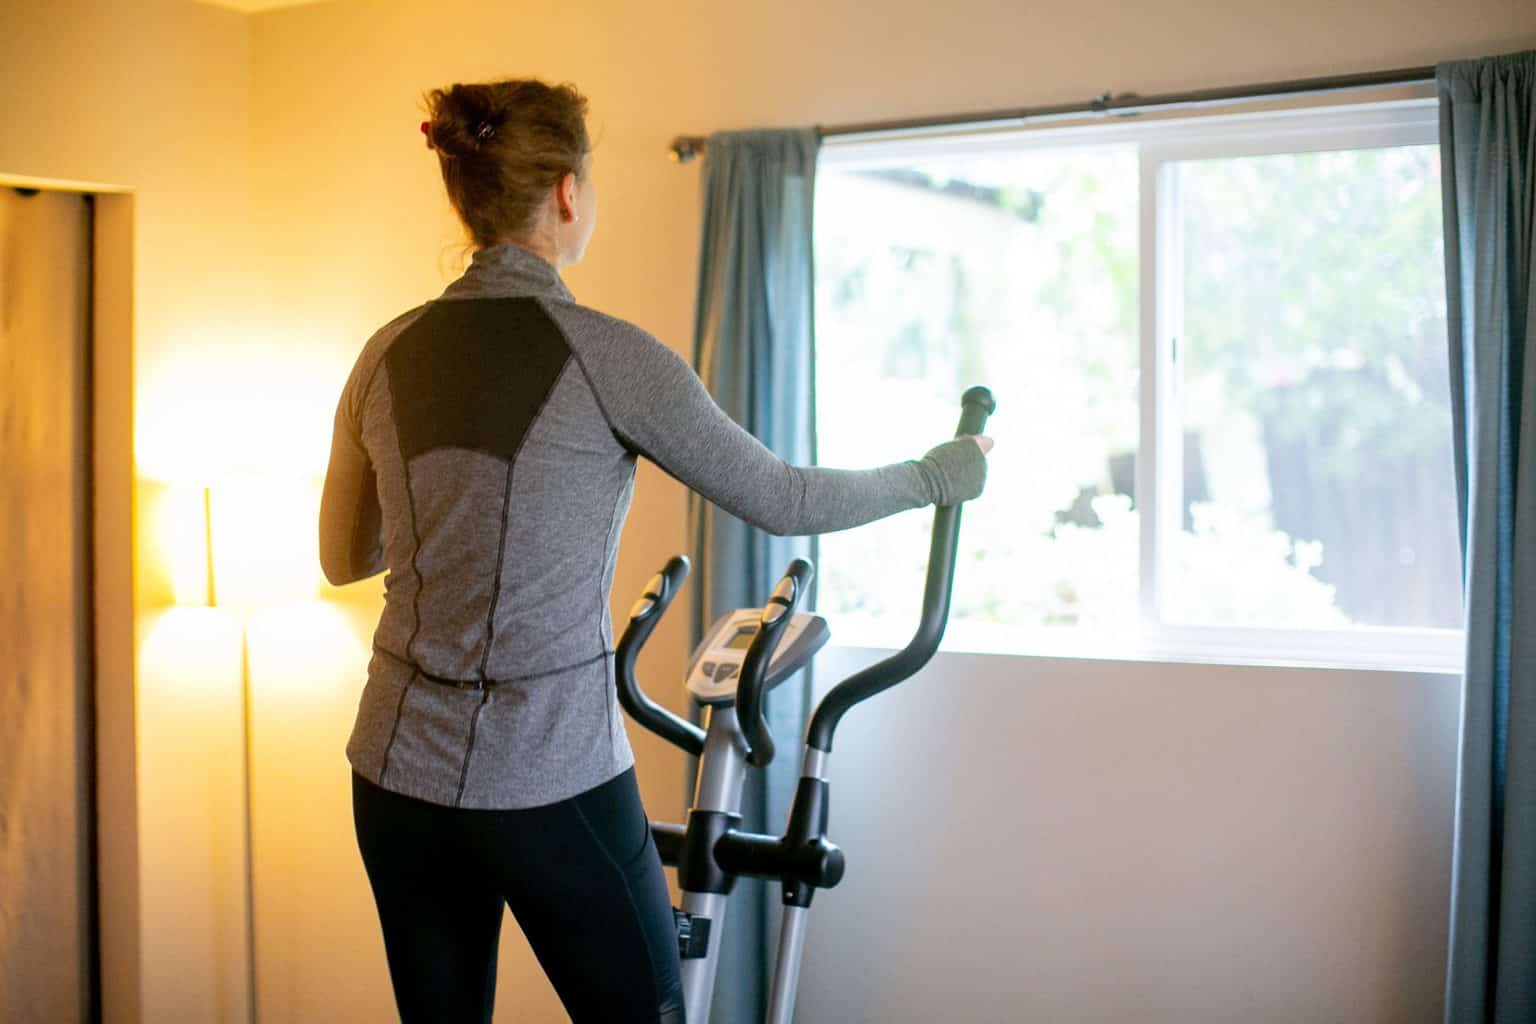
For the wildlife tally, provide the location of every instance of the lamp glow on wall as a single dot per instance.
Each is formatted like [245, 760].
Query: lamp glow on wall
[240, 658]
[244, 543]
[241, 556]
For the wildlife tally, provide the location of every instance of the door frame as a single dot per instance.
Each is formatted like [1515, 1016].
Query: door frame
[111, 732]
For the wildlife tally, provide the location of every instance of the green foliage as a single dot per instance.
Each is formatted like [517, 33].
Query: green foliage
[1314, 295]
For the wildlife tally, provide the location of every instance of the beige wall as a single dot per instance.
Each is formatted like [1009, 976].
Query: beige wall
[151, 101]
[152, 96]
[285, 206]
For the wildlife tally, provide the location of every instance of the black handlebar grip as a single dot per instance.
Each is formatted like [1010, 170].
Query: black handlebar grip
[754, 669]
[975, 406]
[643, 616]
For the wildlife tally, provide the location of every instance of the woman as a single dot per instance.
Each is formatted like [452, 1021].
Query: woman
[484, 453]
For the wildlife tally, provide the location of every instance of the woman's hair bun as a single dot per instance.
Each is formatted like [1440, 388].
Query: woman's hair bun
[465, 120]
[502, 146]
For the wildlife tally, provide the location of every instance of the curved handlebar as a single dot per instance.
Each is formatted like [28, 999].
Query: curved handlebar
[977, 404]
[643, 617]
[754, 669]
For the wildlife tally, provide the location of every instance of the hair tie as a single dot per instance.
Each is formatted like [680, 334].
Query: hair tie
[484, 131]
[426, 130]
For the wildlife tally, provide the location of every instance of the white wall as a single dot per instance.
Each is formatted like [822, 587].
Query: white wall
[1076, 840]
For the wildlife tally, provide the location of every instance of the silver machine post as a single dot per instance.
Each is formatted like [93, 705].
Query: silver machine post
[723, 765]
[786, 969]
[722, 771]
[699, 974]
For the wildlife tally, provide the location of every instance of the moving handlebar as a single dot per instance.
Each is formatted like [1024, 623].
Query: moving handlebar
[754, 670]
[643, 617]
[976, 405]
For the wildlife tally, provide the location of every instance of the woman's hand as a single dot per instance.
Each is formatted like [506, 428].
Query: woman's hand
[956, 470]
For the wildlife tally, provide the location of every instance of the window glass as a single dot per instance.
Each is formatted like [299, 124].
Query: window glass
[1016, 272]
[1309, 483]
[1316, 401]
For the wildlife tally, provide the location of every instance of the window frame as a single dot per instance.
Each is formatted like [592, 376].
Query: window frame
[1162, 142]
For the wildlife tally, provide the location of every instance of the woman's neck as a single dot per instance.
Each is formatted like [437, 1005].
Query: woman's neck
[542, 243]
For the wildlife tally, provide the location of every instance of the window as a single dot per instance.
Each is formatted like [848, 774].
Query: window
[1241, 318]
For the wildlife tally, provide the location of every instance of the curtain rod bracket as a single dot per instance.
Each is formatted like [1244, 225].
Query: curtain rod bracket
[686, 147]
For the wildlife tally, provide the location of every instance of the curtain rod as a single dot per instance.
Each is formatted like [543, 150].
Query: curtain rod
[1125, 104]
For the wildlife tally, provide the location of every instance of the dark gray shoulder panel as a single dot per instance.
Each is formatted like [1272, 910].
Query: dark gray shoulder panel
[473, 373]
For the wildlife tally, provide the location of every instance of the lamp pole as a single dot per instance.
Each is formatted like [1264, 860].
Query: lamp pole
[247, 767]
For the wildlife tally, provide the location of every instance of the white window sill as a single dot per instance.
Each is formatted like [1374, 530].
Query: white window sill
[1391, 650]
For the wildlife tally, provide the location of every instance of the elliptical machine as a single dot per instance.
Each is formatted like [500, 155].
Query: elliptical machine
[745, 654]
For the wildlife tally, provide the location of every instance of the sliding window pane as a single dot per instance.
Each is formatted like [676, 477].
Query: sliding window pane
[1018, 272]
[1316, 410]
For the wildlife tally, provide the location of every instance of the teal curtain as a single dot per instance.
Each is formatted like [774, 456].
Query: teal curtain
[1488, 158]
[754, 348]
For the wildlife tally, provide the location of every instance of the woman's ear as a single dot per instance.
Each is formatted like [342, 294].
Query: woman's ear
[568, 197]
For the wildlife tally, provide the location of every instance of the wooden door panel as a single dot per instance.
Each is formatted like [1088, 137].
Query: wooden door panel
[46, 876]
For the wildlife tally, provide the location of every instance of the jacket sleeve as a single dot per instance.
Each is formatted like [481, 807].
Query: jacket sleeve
[351, 548]
[657, 407]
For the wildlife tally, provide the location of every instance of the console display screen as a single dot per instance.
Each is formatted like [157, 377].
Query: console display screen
[742, 640]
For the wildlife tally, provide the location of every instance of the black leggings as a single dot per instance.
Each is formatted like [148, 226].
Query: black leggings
[582, 878]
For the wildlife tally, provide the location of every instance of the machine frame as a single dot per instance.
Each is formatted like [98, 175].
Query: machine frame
[711, 851]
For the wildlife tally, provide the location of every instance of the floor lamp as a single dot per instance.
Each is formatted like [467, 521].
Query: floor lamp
[245, 545]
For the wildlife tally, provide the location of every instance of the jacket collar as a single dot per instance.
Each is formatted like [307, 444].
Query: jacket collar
[506, 270]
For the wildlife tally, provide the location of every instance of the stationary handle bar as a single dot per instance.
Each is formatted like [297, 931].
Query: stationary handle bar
[642, 619]
[976, 405]
[754, 669]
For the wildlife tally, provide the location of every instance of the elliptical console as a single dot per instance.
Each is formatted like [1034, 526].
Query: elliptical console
[717, 662]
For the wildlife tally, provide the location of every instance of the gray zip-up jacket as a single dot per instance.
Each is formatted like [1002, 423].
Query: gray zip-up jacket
[484, 453]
